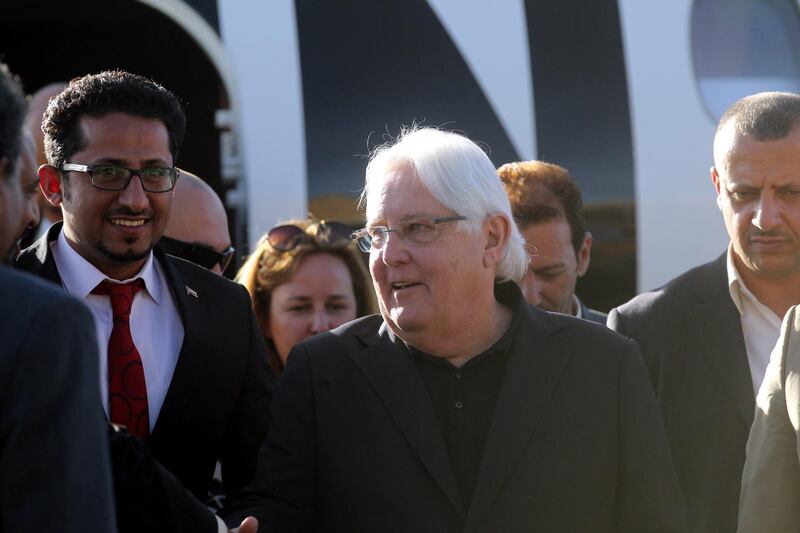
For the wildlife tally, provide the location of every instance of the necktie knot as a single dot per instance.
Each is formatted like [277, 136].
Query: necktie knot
[121, 295]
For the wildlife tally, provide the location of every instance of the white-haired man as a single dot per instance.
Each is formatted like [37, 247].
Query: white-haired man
[459, 407]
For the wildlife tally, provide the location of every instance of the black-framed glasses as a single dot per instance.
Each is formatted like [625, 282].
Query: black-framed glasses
[117, 178]
[418, 231]
[199, 254]
[288, 236]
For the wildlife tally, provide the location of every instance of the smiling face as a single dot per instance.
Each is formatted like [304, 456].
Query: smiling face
[113, 230]
[758, 192]
[555, 268]
[318, 297]
[423, 289]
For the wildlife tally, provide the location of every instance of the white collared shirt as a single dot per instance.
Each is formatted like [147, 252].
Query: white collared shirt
[761, 327]
[156, 326]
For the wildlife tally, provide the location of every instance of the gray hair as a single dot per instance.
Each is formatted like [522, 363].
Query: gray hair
[460, 176]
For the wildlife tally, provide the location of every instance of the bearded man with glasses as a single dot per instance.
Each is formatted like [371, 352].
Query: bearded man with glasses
[459, 407]
[184, 366]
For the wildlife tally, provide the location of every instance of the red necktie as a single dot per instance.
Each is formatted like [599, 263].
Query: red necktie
[127, 391]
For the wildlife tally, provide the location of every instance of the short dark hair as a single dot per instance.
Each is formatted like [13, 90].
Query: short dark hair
[533, 187]
[12, 115]
[764, 116]
[96, 95]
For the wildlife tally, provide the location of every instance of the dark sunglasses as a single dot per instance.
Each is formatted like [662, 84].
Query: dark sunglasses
[198, 254]
[288, 236]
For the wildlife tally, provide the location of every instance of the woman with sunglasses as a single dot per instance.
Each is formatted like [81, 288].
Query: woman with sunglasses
[305, 277]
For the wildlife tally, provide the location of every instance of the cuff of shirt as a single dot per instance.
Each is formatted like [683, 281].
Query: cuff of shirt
[221, 526]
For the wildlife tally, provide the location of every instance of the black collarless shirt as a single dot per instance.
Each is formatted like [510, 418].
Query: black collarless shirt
[464, 398]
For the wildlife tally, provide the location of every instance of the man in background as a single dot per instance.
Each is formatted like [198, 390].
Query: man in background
[29, 182]
[197, 229]
[706, 336]
[54, 465]
[49, 214]
[548, 208]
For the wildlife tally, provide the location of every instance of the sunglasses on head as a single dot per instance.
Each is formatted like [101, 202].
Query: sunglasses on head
[199, 254]
[288, 236]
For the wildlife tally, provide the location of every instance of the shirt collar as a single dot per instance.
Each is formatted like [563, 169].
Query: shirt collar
[80, 277]
[738, 290]
[578, 307]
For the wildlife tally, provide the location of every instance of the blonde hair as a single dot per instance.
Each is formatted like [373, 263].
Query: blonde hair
[268, 267]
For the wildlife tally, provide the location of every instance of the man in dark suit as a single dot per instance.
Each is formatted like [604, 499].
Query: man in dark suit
[706, 336]
[186, 368]
[54, 468]
[548, 208]
[460, 407]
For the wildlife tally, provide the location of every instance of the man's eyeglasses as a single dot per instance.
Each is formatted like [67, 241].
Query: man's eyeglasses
[199, 254]
[418, 231]
[116, 178]
[289, 236]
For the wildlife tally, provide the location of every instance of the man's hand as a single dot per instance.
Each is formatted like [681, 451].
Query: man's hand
[248, 525]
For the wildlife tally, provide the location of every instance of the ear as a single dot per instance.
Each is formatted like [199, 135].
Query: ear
[497, 230]
[584, 254]
[715, 179]
[50, 184]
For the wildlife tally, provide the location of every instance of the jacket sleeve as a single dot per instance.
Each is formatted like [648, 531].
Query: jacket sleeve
[771, 478]
[649, 497]
[249, 422]
[281, 496]
[149, 498]
[54, 464]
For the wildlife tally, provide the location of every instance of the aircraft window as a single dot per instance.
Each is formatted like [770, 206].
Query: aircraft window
[742, 47]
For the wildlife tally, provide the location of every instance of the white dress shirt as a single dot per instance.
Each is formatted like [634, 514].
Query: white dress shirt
[156, 326]
[760, 325]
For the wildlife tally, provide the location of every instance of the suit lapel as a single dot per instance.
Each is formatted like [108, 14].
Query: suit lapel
[389, 368]
[195, 320]
[38, 258]
[534, 367]
[720, 339]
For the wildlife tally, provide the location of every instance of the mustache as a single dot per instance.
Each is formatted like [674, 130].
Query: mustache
[769, 234]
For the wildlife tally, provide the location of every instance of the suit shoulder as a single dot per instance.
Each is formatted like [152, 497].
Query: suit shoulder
[675, 294]
[586, 332]
[27, 295]
[577, 334]
[38, 315]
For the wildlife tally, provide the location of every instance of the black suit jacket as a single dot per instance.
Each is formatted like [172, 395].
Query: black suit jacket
[691, 339]
[575, 444]
[217, 405]
[54, 466]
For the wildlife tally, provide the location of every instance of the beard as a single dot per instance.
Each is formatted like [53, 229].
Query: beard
[128, 256]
